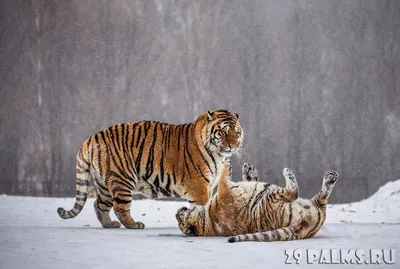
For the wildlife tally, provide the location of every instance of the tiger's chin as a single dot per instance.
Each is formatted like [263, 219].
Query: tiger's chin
[227, 152]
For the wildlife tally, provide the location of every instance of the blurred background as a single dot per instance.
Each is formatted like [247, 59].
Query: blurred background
[316, 84]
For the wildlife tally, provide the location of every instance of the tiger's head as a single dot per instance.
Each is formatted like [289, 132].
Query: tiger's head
[223, 133]
[189, 220]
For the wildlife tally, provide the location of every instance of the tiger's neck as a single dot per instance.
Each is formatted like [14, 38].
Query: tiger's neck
[213, 160]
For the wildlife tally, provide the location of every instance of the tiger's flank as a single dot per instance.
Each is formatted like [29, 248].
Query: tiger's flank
[257, 211]
[156, 159]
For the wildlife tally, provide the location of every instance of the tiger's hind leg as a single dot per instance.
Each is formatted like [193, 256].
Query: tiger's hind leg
[291, 190]
[249, 172]
[102, 206]
[122, 196]
[329, 181]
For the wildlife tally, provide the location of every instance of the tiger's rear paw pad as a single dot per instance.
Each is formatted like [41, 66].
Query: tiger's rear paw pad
[288, 173]
[250, 172]
[331, 177]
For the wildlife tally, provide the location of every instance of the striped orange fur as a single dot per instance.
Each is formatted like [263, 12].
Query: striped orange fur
[155, 159]
[256, 211]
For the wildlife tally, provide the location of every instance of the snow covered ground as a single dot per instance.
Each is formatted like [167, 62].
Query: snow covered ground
[33, 236]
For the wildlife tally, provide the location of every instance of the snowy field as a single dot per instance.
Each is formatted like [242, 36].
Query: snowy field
[34, 236]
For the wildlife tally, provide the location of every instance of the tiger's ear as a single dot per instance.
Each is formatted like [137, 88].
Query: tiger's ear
[210, 115]
[237, 115]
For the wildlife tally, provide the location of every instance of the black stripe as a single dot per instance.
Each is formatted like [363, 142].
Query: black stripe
[169, 135]
[81, 182]
[124, 195]
[122, 181]
[175, 193]
[133, 135]
[168, 182]
[150, 158]
[163, 145]
[120, 166]
[117, 135]
[79, 166]
[173, 172]
[265, 236]
[156, 182]
[211, 219]
[100, 186]
[213, 159]
[139, 157]
[124, 142]
[81, 193]
[105, 202]
[202, 155]
[101, 191]
[252, 195]
[187, 146]
[184, 153]
[88, 148]
[286, 232]
[119, 201]
[99, 153]
[78, 206]
[139, 136]
[277, 235]
[179, 136]
[290, 214]
[281, 196]
[202, 175]
[316, 225]
[103, 210]
[203, 216]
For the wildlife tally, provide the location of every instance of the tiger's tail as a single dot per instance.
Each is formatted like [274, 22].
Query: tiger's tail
[82, 184]
[282, 234]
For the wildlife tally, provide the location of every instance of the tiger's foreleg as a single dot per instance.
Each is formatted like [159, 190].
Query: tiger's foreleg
[122, 196]
[291, 190]
[282, 234]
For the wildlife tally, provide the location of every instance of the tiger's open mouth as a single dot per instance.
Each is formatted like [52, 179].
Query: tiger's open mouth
[191, 231]
[179, 216]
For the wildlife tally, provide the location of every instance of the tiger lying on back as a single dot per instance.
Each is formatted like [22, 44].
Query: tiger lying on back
[255, 211]
[155, 159]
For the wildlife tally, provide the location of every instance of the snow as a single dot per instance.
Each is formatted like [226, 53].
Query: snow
[34, 236]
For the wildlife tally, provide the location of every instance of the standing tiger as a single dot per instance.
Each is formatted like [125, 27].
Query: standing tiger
[155, 159]
[255, 211]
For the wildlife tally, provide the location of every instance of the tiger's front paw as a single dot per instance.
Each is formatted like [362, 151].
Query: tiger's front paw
[249, 172]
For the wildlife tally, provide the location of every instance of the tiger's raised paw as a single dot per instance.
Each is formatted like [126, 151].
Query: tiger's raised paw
[331, 177]
[249, 172]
